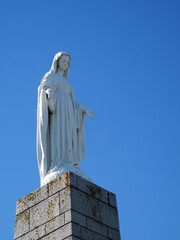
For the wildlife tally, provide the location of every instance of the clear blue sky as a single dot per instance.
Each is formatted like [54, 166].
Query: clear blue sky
[125, 67]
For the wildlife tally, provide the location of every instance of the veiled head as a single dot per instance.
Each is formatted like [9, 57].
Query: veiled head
[56, 62]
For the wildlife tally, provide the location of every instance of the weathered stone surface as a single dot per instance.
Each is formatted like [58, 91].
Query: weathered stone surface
[72, 216]
[69, 238]
[112, 200]
[92, 189]
[35, 234]
[113, 234]
[76, 209]
[72, 238]
[64, 232]
[89, 235]
[65, 200]
[109, 216]
[60, 233]
[97, 227]
[44, 211]
[76, 230]
[22, 224]
[62, 182]
[31, 199]
[55, 223]
[87, 205]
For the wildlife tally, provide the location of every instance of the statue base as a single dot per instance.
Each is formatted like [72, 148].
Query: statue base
[56, 172]
[68, 208]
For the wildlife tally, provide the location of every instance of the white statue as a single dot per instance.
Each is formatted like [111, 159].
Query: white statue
[60, 124]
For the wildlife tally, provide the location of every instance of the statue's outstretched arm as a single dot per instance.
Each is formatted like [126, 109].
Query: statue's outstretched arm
[84, 110]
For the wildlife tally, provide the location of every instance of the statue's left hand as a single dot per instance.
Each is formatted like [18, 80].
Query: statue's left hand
[89, 113]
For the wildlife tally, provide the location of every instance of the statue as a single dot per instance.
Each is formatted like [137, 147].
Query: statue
[60, 124]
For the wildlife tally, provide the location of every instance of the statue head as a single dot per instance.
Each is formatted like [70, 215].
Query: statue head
[56, 63]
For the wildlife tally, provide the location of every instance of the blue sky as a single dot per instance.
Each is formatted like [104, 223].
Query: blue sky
[125, 67]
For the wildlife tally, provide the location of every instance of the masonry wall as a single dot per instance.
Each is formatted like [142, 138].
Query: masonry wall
[68, 208]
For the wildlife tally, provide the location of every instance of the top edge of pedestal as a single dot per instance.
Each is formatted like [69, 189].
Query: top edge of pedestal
[58, 184]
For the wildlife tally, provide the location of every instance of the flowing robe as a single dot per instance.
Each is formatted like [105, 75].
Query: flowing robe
[60, 126]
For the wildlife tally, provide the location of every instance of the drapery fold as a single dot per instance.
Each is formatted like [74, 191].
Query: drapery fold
[60, 135]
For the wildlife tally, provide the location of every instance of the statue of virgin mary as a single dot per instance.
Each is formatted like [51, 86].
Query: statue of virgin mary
[60, 124]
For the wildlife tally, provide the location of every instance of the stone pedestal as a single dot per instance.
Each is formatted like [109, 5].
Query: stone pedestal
[68, 208]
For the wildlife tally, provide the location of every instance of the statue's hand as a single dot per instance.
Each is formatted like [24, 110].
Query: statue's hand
[89, 113]
[50, 92]
[50, 95]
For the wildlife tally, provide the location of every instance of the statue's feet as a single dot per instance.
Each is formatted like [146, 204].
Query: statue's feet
[55, 173]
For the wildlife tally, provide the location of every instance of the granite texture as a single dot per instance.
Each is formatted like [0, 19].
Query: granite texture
[68, 208]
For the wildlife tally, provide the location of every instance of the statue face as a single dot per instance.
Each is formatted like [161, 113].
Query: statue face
[63, 62]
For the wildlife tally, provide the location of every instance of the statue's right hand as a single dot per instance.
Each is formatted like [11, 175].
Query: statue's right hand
[50, 93]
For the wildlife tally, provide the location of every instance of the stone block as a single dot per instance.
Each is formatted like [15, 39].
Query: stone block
[62, 182]
[92, 189]
[72, 216]
[36, 234]
[112, 200]
[89, 235]
[65, 200]
[97, 227]
[72, 238]
[55, 223]
[32, 199]
[114, 234]
[76, 230]
[109, 216]
[22, 224]
[59, 234]
[85, 204]
[69, 238]
[64, 232]
[44, 211]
